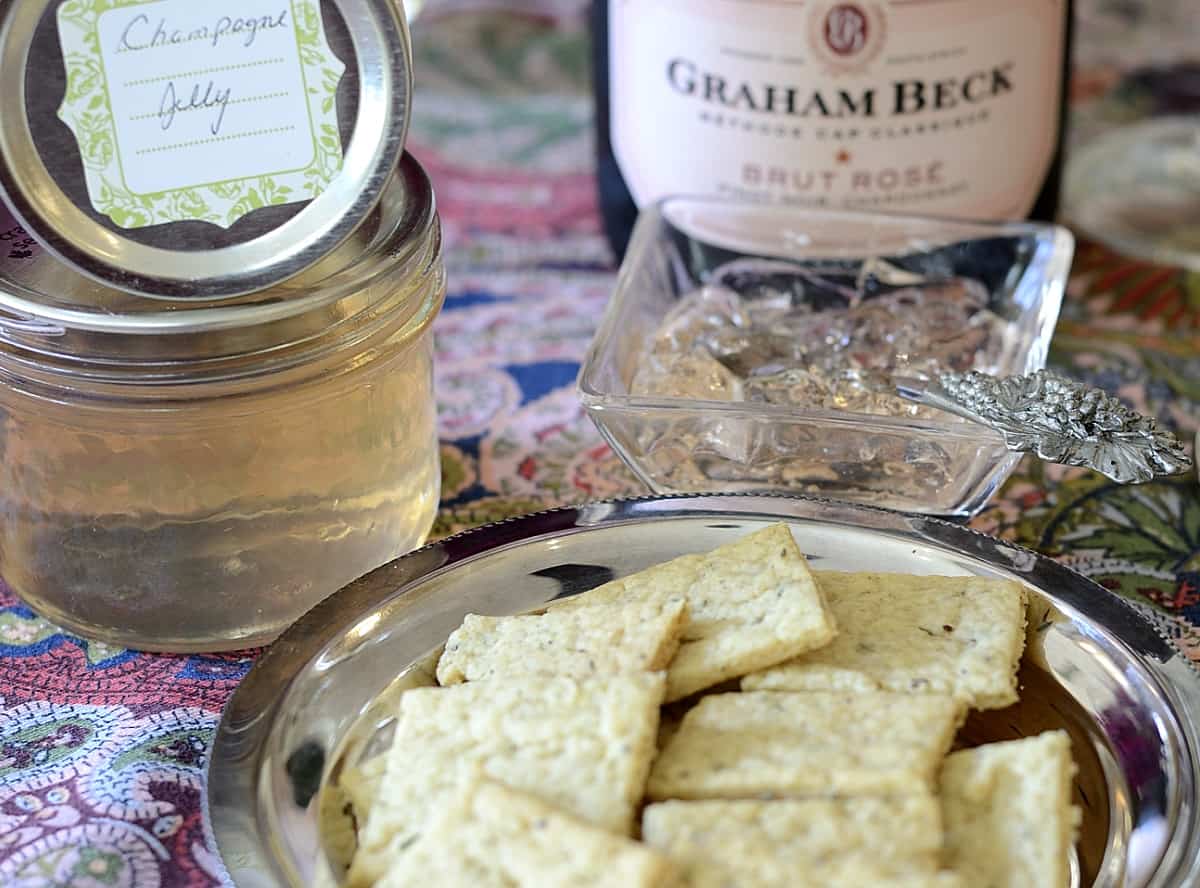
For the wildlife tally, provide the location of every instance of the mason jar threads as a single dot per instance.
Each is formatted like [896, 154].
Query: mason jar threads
[193, 476]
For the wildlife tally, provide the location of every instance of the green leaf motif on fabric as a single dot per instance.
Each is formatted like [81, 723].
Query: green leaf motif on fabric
[1146, 524]
[41, 745]
[484, 511]
[1144, 540]
[178, 747]
[98, 652]
[19, 631]
[113, 143]
[73, 865]
[105, 867]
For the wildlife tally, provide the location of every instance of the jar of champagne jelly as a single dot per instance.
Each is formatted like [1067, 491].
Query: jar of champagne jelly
[194, 475]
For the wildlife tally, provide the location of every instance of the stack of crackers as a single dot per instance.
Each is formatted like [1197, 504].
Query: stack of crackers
[805, 739]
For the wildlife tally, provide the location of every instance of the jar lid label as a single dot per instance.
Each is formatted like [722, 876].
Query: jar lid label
[200, 111]
[198, 151]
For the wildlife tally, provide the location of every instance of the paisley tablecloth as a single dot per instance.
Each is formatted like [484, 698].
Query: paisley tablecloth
[102, 750]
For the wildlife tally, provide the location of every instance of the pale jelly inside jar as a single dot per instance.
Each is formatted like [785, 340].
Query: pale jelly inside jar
[191, 477]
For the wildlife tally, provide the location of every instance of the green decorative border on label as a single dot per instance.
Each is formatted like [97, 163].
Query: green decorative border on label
[87, 109]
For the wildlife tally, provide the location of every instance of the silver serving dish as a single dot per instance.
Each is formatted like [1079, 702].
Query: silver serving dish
[318, 698]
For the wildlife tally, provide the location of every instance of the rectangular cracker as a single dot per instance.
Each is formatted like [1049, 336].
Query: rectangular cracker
[961, 636]
[943, 879]
[757, 844]
[361, 783]
[669, 720]
[1008, 813]
[606, 639]
[584, 745]
[752, 603]
[765, 744]
[490, 836]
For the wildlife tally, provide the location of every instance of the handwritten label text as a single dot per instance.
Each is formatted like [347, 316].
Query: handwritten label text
[142, 32]
[200, 109]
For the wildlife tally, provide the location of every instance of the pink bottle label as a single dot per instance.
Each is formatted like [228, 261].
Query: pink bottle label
[946, 107]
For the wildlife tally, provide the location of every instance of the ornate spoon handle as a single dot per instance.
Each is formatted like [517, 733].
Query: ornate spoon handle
[1060, 420]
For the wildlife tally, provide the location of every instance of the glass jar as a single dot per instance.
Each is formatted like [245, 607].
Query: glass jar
[194, 476]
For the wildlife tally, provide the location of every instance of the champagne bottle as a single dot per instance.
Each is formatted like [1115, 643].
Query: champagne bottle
[937, 107]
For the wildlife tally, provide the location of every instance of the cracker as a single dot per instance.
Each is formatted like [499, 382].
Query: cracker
[361, 783]
[961, 636]
[490, 836]
[765, 744]
[751, 604]
[602, 640]
[943, 879]
[669, 720]
[584, 745]
[339, 837]
[864, 877]
[364, 763]
[756, 844]
[1008, 813]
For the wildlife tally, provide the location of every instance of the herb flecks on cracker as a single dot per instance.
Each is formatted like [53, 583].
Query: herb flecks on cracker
[763, 744]
[751, 604]
[601, 640]
[583, 745]
[490, 836]
[1008, 813]
[961, 636]
[763, 844]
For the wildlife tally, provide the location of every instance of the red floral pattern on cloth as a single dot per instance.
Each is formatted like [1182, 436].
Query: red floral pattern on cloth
[102, 750]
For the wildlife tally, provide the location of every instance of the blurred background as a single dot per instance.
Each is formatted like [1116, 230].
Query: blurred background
[504, 110]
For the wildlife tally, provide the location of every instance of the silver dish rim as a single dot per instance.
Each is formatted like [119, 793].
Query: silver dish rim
[232, 773]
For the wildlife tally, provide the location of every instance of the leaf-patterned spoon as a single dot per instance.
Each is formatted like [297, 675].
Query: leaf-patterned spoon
[1060, 420]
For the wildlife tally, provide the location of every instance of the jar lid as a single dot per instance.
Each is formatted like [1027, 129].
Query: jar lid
[43, 299]
[199, 151]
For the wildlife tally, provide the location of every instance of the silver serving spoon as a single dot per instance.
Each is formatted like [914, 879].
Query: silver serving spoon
[1060, 420]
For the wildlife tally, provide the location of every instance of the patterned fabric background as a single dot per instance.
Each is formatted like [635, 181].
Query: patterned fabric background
[102, 750]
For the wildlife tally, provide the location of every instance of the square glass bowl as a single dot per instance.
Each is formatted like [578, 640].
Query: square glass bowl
[707, 431]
